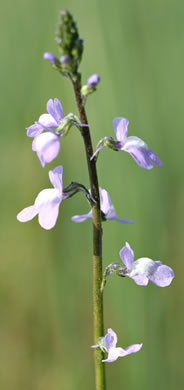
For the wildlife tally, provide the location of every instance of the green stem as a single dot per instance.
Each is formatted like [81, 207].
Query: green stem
[97, 242]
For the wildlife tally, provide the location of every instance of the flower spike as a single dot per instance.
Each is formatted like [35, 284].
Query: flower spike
[108, 344]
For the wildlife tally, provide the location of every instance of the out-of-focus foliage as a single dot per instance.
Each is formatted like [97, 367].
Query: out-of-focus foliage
[46, 277]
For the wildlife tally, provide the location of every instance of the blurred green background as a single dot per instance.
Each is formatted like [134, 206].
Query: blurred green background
[46, 276]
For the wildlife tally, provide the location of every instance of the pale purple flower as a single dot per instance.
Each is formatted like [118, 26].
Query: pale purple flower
[145, 269]
[108, 344]
[93, 80]
[47, 144]
[50, 57]
[133, 145]
[107, 210]
[47, 203]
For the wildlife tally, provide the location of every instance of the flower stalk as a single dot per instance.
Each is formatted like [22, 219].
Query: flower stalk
[97, 240]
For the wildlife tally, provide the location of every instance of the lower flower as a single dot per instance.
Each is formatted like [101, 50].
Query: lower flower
[108, 344]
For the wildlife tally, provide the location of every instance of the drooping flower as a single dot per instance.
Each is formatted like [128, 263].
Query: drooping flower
[47, 144]
[47, 203]
[107, 210]
[133, 145]
[108, 344]
[145, 269]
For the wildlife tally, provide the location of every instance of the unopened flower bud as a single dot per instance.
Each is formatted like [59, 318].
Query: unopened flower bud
[65, 59]
[93, 81]
[49, 57]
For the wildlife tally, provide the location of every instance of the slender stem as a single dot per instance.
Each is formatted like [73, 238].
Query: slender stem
[97, 242]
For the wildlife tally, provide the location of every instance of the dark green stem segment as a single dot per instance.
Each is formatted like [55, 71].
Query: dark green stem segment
[97, 241]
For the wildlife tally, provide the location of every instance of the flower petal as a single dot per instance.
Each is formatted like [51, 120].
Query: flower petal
[114, 353]
[48, 121]
[140, 279]
[162, 276]
[46, 196]
[47, 146]
[105, 201]
[58, 108]
[55, 177]
[27, 214]
[97, 151]
[139, 150]
[131, 349]
[121, 129]
[127, 256]
[122, 220]
[155, 159]
[110, 339]
[82, 217]
[48, 214]
[34, 130]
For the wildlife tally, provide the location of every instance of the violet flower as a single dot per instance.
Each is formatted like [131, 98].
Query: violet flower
[47, 144]
[108, 344]
[133, 145]
[145, 269]
[107, 210]
[47, 203]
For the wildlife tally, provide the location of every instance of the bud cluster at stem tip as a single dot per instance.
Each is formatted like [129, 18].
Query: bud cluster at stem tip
[69, 42]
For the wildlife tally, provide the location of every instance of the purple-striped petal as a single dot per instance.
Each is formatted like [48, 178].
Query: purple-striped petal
[127, 256]
[121, 129]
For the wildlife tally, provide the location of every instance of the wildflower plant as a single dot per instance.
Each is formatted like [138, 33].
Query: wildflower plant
[48, 132]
